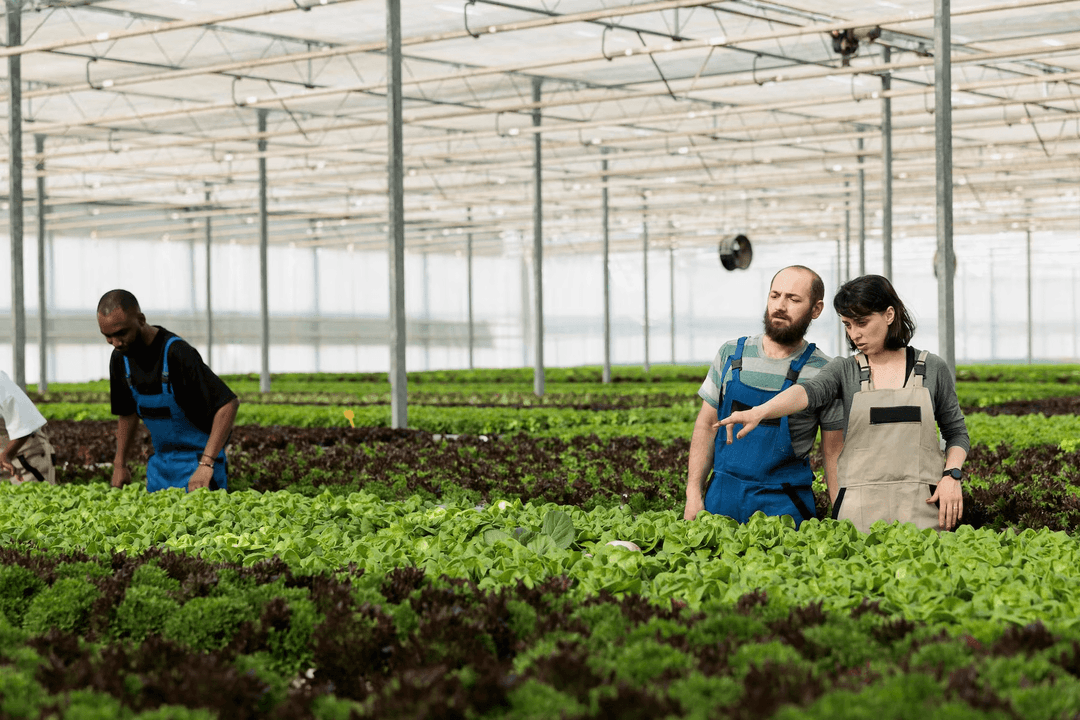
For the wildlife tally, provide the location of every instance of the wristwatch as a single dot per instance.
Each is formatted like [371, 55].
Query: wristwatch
[954, 473]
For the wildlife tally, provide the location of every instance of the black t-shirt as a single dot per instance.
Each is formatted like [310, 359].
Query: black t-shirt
[199, 392]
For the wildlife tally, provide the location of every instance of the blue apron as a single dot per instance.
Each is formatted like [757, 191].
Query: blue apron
[760, 471]
[178, 444]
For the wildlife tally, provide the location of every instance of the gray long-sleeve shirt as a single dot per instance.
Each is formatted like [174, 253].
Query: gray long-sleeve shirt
[840, 379]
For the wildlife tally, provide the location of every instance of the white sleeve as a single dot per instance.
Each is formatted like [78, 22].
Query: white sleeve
[20, 415]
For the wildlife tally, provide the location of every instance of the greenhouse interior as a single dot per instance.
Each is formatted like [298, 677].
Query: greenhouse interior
[459, 359]
[148, 133]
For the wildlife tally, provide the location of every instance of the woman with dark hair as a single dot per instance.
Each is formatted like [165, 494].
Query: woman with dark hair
[895, 399]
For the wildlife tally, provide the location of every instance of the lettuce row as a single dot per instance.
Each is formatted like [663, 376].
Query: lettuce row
[966, 578]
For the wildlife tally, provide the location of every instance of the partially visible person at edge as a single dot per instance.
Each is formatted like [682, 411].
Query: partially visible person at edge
[27, 453]
[768, 471]
[156, 376]
[891, 467]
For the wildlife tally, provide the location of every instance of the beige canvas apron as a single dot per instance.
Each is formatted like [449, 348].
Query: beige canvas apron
[36, 459]
[892, 460]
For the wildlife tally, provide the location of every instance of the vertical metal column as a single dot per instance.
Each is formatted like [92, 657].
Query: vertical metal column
[15, 199]
[1027, 255]
[847, 232]
[839, 282]
[425, 307]
[604, 211]
[396, 197]
[993, 311]
[886, 166]
[645, 276]
[264, 277]
[317, 308]
[671, 283]
[43, 311]
[538, 245]
[943, 145]
[209, 295]
[468, 260]
[1076, 316]
[862, 209]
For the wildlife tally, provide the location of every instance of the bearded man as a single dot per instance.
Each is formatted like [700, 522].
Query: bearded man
[771, 474]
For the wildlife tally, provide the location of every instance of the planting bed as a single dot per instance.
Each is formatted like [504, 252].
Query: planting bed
[366, 572]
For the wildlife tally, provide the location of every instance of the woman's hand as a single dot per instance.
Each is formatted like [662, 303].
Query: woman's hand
[749, 419]
[951, 509]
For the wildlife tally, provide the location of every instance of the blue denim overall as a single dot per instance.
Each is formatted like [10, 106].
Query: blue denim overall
[760, 471]
[178, 444]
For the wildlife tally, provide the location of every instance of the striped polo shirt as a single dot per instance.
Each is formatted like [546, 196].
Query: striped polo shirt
[765, 373]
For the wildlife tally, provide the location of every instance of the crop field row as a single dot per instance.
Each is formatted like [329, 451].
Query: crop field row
[462, 568]
[164, 635]
[1026, 486]
[518, 610]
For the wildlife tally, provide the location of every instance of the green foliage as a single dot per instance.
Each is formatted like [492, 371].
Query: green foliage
[557, 533]
[144, 610]
[20, 695]
[207, 623]
[1024, 431]
[64, 606]
[17, 586]
[534, 700]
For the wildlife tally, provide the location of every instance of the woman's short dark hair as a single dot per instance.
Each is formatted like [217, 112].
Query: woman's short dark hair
[868, 294]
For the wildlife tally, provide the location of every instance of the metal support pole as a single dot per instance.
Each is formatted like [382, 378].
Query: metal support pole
[839, 282]
[469, 273]
[15, 198]
[645, 276]
[264, 278]
[396, 197]
[886, 166]
[315, 284]
[209, 295]
[943, 145]
[43, 313]
[847, 232]
[425, 306]
[862, 209]
[538, 246]
[993, 311]
[1027, 254]
[1076, 315]
[671, 283]
[605, 212]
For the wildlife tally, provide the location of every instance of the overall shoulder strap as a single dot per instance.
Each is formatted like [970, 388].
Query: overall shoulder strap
[127, 373]
[166, 386]
[797, 365]
[864, 371]
[736, 359]
[918, 373]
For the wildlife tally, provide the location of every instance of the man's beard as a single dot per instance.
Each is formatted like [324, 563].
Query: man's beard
[789, 335]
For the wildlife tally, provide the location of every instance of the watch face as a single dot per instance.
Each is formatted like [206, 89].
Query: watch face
[954, 473]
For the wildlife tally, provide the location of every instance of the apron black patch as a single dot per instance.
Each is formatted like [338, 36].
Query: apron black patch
[897, 414]
[836, 505]
[155, 413]
[737, 406]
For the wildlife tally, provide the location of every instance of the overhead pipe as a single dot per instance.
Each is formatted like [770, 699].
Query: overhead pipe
[18, 49]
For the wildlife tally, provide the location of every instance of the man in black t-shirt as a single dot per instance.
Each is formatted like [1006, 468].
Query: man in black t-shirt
[156, 376]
